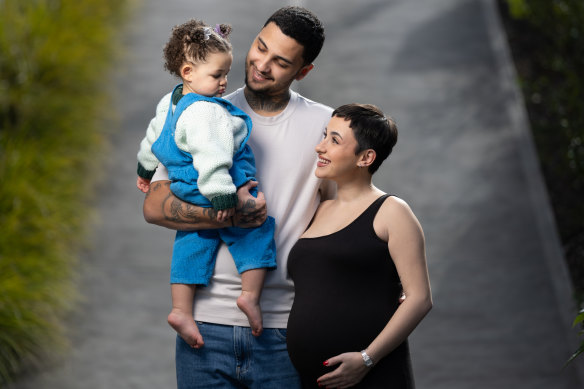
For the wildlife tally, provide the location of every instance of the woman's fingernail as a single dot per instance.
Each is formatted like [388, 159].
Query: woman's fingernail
[325, 363]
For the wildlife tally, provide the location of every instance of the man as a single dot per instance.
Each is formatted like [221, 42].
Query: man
[286, 128]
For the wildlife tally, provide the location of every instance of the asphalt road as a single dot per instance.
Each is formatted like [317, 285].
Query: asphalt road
[464, 162]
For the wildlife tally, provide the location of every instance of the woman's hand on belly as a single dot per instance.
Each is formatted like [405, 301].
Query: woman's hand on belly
[350, 371]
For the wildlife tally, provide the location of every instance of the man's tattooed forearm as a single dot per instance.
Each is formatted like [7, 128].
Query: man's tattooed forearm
[210, 213]
[153, 188]
[179, 211]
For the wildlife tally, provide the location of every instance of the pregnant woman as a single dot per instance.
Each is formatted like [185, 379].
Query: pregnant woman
[347, 328]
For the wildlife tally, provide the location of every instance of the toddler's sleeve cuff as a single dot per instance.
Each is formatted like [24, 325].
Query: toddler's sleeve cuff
[142, 172]
[222, 202]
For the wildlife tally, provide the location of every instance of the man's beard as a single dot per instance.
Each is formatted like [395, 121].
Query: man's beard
[260, 93]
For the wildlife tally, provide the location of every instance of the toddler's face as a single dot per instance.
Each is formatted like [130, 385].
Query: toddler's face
[209, 78]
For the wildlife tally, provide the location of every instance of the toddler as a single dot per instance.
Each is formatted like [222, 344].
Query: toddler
[202, 141]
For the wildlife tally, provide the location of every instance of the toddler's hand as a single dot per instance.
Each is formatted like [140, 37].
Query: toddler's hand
[225, 214]
[143, 184]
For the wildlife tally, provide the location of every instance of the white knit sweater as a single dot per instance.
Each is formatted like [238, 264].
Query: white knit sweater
[209, 133]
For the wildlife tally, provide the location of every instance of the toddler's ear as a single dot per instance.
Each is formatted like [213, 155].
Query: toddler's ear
[186, 70]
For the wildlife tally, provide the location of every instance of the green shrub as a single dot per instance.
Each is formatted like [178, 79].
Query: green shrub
[550, 61]
[578, 322]
[547, 40]
[54, 58]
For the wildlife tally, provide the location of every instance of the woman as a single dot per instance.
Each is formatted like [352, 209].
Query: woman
[346, 327]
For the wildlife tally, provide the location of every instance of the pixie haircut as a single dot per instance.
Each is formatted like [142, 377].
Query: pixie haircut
[303, 26]
[192, 41]
[372, 130]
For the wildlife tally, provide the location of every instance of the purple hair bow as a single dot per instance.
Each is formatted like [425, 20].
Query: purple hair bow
[217, 29]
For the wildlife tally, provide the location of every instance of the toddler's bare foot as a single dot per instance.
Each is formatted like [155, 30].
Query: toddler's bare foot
[185, 326]
[251, 307]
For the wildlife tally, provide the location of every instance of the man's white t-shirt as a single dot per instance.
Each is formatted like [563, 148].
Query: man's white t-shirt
[284, 149]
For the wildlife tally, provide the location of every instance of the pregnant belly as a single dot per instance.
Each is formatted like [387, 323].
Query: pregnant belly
[319, 330]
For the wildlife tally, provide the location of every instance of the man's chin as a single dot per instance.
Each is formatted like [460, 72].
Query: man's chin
[255, 88]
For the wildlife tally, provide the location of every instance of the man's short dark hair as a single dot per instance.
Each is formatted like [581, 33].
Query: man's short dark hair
[303, 26]
[372, 130]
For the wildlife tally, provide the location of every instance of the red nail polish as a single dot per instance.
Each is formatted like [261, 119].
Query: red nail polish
[325, 363]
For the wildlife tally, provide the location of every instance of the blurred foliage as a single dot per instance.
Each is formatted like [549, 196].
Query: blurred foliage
[547, 42]
[54, 57]
[578, 322]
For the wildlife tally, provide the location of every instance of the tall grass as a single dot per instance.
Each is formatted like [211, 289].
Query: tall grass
[54, 62]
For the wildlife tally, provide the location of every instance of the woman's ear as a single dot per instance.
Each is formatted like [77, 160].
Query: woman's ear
[367, 158]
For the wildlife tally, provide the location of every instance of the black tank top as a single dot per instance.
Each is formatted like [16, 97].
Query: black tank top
[346, 290]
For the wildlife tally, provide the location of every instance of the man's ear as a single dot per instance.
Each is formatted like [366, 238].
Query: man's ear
[186, 71]
[367, 157]
[303, 72]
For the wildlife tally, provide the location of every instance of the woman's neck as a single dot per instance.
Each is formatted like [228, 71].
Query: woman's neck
[355, 189]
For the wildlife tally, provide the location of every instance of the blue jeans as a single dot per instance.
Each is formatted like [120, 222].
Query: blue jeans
[233, 358]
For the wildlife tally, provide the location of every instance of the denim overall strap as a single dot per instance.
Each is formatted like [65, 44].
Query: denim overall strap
[179, 163]
[191, 98]
[243, 169]
[165, 148]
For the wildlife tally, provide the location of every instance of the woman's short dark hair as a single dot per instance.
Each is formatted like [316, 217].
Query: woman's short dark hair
[303, 26]
[372, 129]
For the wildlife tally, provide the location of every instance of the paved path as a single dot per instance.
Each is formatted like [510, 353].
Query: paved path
[464, 162]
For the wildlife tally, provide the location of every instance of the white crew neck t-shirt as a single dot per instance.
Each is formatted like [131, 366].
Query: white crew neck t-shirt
[285, 156]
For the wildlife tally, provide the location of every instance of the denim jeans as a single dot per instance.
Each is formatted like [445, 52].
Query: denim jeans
[233, 358]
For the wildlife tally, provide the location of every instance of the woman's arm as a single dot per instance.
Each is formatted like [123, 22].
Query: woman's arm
[405, 241]
[397, 224]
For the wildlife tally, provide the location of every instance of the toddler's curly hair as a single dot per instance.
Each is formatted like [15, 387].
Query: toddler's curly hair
[187, 43]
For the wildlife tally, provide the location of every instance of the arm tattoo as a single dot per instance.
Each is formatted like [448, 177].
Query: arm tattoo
[179, 211]
[248, 207]
[247, 211]
[153, 188]
[210, 213]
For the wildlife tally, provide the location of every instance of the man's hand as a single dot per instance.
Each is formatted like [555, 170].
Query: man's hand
[250, 211]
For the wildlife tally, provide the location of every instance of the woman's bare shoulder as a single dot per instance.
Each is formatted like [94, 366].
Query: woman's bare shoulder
[395, 204]
[395, 212]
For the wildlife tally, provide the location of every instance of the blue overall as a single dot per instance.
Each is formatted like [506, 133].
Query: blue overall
[194, 252]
